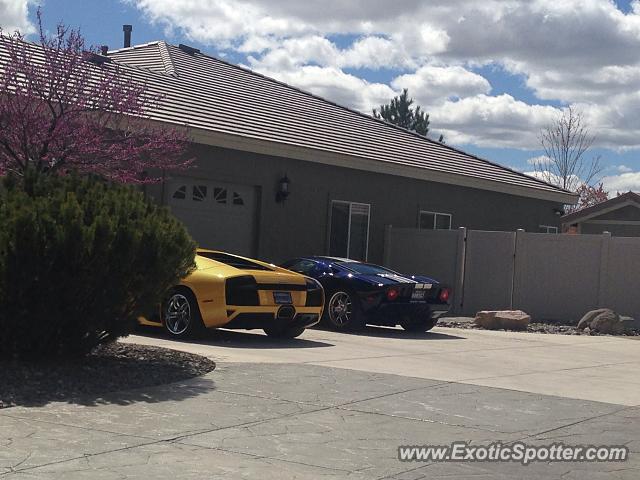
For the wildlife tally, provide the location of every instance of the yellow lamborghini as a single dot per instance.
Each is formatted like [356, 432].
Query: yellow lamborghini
[230, 291]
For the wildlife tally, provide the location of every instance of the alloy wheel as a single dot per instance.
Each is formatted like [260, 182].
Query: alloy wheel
[177, 314]
[340, 309]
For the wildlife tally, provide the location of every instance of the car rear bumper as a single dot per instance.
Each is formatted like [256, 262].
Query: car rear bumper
[391, 313]
[283, 318]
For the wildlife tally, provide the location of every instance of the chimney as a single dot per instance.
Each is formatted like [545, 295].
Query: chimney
[104, 49]
[127, 35]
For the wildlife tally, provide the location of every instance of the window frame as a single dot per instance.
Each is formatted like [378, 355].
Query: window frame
[435, 219]
[351, 204]
[554, 230]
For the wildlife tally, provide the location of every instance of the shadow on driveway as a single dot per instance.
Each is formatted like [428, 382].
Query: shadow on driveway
[238, 339]
[393, 332]
[119, 374]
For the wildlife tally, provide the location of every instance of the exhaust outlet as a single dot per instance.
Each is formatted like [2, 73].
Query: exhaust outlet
[286, 312]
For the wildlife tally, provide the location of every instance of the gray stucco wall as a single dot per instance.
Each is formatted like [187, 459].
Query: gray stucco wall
[299, 226]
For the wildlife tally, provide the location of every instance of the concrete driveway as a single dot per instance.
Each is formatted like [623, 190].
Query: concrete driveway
[331, 405]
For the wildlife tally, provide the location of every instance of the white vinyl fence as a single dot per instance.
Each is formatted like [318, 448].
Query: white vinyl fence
[551, 277]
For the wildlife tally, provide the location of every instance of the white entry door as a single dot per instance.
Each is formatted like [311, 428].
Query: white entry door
[218, 215]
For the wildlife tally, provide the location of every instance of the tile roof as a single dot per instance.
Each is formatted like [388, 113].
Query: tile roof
[213, 96]
[629, 198]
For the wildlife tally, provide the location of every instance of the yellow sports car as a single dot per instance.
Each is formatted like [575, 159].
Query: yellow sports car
[235, 292]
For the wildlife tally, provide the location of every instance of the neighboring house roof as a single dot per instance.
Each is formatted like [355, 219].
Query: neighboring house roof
[229, 106]
[616, 203]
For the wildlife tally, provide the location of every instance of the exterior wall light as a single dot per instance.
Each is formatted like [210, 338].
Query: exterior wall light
[283, 189]
[558, 211]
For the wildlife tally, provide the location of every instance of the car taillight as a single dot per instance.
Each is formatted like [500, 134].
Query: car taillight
[445, 293]
[392, 294]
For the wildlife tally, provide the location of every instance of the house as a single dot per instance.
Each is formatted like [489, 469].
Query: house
[281, 172]
[619, 216]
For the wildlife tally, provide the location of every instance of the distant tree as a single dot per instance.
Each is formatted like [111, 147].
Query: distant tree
[401, 113]
[566, 143]
[589, 196]
[64, 108]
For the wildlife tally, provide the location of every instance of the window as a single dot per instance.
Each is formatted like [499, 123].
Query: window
[434, 220]
[367, 268]
[199, 193]
[349, 230]
[180, 193]
[303, 266]
[233, 261]
[220, 195]
[548, 229]
[237, 199]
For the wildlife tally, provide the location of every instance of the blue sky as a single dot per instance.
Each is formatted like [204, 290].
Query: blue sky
[491, 76]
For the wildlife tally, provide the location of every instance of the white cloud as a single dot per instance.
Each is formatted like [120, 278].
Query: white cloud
[629, 181]
[499, 121]
[580, 52]
[432, 85]
[334, 84]
[540, 160]
[624, 169]
[14, 16]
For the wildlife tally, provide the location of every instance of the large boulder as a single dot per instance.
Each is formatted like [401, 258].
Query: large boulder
[590, 316]
[629, 324]
[607, 322]
[503, 320]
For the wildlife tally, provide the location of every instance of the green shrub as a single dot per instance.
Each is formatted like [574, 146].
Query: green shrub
[80, 260]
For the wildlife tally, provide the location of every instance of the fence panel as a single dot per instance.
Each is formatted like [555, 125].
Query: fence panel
[557, 277]
[621, 280]
[428, 252]
[551, 277]
[488, 271]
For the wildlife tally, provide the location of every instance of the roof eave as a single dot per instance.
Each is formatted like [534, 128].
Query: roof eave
[249, 144]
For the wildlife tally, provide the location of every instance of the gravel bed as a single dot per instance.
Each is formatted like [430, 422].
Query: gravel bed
[533, 327]
[110, 368]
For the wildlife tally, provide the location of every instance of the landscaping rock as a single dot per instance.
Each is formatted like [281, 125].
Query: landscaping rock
[487, 320]
[109, 368]
[590, 316]
[506, 319]
[629, 324]
[607, 322]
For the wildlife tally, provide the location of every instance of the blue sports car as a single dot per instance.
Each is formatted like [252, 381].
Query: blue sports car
[358, 293]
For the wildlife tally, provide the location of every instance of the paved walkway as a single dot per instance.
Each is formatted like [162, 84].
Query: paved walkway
[338, 406]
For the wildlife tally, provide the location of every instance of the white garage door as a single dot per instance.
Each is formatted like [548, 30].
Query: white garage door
[219, 215]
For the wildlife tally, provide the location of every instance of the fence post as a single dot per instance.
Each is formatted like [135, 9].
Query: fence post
[458, 288]
[604, 270]
[386, 255]
[518, 237]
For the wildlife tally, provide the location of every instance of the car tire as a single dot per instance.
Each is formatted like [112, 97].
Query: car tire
[419, 323]
[343, 312]
[280, 332]
[181, 315]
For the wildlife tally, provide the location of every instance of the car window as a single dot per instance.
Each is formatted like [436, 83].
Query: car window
[306, 267]
[367, 268]
[233, 261]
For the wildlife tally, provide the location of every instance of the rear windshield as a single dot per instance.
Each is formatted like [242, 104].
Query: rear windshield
[233, 261]
[366, 268]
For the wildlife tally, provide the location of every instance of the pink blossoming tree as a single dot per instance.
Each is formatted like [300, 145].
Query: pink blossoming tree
[589, 196]
[65, 108]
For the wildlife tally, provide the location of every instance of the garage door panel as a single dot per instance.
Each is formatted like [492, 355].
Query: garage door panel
[218, 215]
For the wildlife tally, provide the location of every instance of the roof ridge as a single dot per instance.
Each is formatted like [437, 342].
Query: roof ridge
[165, 55]
[381, 121]
[133, 47]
